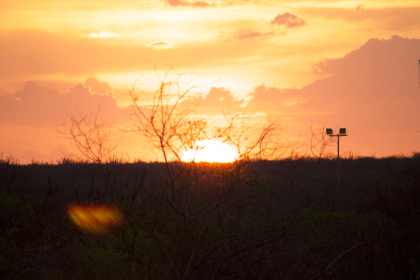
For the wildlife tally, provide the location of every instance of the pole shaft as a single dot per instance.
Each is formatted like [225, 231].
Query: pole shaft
[338, 148]
[338, 160]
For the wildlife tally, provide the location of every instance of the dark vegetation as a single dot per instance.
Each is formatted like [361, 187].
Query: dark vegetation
[283, 219]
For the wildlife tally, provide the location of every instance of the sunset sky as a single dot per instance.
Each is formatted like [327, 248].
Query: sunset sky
[351, 64]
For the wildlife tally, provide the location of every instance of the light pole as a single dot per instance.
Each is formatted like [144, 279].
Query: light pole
[342, 133]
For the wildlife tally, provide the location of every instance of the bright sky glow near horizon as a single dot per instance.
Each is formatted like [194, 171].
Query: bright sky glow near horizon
[351, 64]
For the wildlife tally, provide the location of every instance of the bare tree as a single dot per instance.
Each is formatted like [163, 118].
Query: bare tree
[171, 128]
[95, 139]
[200, 195]
[319, 141]
[250, 142]
[168, 129]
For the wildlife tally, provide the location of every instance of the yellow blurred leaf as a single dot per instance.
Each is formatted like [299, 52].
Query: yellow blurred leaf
[94, 218]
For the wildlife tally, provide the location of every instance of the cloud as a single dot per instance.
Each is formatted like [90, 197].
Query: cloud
[247, 34]
[160, 45]
[366, 76]
[375, 56]
[264, 96]
[360, 8]
[244, 34]
[289, 20]
[201, 4]
[372, 91]
[97, 86]
[271, 99]
[198, 4]
[35, 105]
[100, 35]
[217, 100]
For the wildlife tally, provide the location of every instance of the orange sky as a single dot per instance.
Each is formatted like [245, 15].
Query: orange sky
[350, 64]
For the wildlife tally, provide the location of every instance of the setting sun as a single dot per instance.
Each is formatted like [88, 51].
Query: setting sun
[211, 151]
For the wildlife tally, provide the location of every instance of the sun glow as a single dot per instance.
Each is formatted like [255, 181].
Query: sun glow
[210, 151]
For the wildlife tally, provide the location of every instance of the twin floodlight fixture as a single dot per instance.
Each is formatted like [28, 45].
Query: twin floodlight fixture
[342, 132]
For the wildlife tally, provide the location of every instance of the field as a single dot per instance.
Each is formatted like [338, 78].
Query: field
[285, 219]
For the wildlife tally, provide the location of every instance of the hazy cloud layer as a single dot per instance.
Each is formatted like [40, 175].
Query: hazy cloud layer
[127, 4]
[199, 4]
[289, 20]
[53, 58]
[35, 55]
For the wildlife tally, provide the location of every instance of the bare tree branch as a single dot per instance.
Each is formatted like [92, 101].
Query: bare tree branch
[92, 136]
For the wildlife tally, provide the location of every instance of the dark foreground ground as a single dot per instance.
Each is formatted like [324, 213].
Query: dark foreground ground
[259, 220]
